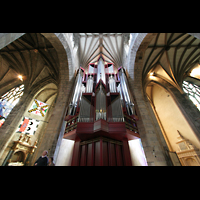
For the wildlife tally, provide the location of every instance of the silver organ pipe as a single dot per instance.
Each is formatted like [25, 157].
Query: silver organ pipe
[126, 93]
[112, 84]
[117, 114]
[100, 104]
[76, 94]
[85, 106]
[89, 85]
[101, 71]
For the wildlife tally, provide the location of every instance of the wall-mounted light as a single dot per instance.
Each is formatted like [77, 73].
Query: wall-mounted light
[152, 74]
[20, 77]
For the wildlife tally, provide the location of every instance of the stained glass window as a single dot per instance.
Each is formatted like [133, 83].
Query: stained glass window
[193, 92]
[8, 102]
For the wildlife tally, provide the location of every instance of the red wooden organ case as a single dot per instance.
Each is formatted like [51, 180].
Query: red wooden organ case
[94, 121]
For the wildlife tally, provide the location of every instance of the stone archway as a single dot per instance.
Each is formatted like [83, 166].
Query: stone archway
[148, 126]
[53, 135]
[65, 80]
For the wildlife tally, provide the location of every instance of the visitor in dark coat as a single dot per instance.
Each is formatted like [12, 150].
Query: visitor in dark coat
[42, 160]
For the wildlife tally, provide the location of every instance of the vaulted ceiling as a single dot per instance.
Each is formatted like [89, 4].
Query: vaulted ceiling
[108, 45]
[33, 57]
[176, 53]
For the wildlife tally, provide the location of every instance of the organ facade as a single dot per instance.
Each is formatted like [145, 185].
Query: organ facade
[101, 117]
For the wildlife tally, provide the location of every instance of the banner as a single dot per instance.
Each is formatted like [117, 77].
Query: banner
[38, 108]
[28, 126]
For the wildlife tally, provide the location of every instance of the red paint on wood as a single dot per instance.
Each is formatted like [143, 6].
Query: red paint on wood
[83, 155]
[119, 155]
[105, 153]
[126, 153]
[112, 157]
[76, 153]
[90, 154]
[97, 153]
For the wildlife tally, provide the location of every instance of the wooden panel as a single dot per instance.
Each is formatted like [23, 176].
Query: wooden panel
[90, 154]
[105, 153]
[126, 154]
[119, 155]
[83, 155]
[97, 153]
[101, 125]
[101, 152]
[112, 157]
[118, 127]
[84, 127]
[76, 154]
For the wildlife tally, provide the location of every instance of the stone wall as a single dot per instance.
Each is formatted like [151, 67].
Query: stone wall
[49, 137]
[155, 147]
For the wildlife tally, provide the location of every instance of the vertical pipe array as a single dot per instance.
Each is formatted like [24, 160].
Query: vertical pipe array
[76, 94]
[101, 71]
[126, 93]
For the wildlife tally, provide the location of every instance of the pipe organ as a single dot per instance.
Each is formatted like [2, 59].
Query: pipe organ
[102, 114]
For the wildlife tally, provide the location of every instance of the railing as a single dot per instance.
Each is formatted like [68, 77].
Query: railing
[130, 123]
[71, 124]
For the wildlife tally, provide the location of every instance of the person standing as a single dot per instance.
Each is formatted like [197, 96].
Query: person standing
[42, 160]
[51, 162]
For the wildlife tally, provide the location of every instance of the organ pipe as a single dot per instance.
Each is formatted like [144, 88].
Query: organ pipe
[101, 71]
[101, 103]
[112, 84]
[76, 93]
[89, 85]
[126, 93]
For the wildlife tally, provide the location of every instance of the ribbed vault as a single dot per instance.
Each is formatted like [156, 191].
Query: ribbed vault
[108, 45]
[31, 56]
[176, 53]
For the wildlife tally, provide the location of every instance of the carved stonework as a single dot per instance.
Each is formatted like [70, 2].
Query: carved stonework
[21, 149]
[188, 154]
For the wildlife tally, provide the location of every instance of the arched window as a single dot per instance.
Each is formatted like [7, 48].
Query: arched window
[193, 92]
[8, 102]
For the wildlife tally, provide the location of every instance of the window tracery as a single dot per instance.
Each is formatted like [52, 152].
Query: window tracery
[8, 102]
[193, 92]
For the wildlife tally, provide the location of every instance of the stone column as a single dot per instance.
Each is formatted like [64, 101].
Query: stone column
[151, 136]
[53, 134]
[188, 109]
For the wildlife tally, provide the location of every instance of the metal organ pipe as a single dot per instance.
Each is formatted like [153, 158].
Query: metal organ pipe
[126, 94]
[77, 93]
[101, 104]
[101, 71]
[89, 86]
[112, 84]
